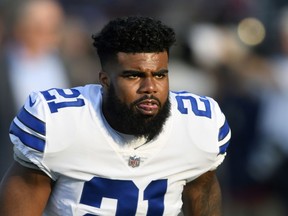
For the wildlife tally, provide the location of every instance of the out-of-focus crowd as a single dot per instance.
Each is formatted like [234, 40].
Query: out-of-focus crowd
[233, 50]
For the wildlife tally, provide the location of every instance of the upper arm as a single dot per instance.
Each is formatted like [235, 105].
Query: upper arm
[202, 196]
[24, 191]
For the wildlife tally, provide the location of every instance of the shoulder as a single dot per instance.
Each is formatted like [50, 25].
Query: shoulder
[189, 104]
[56, 107]
[56, 100]
[202, 119]
[50, 115]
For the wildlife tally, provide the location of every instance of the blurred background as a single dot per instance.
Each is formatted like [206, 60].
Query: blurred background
[233, 50]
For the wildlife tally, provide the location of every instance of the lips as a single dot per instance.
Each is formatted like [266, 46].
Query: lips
[148, 106]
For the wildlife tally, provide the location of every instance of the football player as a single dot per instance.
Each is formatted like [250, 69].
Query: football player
[129, 146]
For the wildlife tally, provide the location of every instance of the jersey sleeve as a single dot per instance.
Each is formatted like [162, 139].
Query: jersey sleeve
[28, 134]
[224, 134]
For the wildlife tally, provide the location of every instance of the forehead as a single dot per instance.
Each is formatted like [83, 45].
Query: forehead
[143, 61]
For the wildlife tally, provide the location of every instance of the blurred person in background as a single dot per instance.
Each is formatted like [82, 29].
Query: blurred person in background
[78, 55]
[270, 160]
[29, 61]
[241, 75]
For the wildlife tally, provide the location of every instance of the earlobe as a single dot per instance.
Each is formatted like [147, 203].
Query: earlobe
[104, 79]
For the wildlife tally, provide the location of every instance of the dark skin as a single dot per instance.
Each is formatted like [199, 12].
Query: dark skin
[202, 197]
[136, 75]
[26, 191]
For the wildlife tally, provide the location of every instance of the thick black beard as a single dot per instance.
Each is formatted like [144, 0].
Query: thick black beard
[128, 121]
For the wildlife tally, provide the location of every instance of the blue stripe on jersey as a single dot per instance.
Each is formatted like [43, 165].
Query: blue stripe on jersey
[223, 148]
[224, 130]
[31, 121]
[27, 139]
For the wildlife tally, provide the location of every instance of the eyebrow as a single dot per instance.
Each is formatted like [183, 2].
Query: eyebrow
[128, 72]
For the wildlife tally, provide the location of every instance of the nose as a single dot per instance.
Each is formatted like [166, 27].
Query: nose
[148, 86]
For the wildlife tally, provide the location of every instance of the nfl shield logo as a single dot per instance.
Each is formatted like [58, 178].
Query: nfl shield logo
[134, 161]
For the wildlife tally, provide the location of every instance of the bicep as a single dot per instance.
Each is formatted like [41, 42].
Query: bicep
[202, 196]
[24, 191]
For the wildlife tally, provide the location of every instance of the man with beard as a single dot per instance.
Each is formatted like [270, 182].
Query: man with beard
[126, 147]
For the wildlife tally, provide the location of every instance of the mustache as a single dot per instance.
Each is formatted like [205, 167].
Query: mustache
[147, 97]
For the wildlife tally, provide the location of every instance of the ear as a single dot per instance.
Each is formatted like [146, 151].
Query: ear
[104, 79]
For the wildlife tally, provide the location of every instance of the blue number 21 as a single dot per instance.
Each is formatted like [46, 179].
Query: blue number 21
[126, 193]
[71, 99]
[194, 105]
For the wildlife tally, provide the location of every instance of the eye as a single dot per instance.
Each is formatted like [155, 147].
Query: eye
[132, 76]
[160, 75]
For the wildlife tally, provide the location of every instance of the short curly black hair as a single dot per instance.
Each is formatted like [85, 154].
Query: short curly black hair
[133, 34]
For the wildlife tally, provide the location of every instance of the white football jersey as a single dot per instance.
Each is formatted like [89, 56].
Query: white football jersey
[63, 132]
